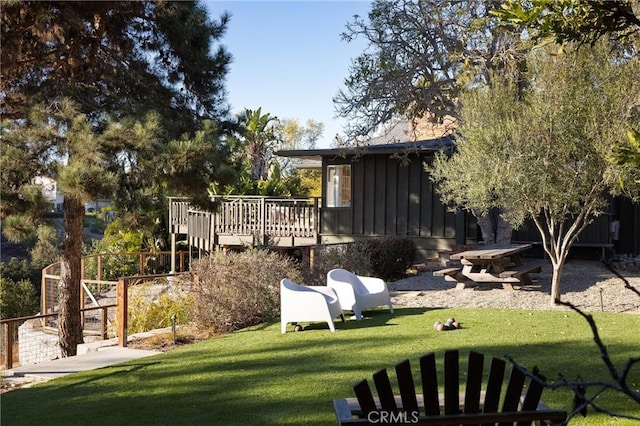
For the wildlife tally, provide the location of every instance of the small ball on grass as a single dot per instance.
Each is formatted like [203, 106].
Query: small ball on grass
[298, 327]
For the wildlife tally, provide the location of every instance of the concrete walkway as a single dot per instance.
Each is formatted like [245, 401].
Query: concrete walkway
[91, 356]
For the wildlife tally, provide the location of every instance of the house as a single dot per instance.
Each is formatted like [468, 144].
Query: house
[375, 191]
[55, 198]
[50, 192]
[381, 191]
[367, 192]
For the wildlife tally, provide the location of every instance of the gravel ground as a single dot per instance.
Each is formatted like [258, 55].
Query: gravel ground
[589, 285]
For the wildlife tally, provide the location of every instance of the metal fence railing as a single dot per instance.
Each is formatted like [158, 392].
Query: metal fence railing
[33, 339]
[30, 340]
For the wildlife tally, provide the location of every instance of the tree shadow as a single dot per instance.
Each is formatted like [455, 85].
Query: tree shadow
[370, 318]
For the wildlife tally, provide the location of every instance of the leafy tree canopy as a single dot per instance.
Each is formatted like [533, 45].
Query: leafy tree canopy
[114, 59]
[420, 55]
[542, 153]
[583, 21]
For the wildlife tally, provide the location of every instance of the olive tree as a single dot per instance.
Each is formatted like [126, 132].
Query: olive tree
[542, 152]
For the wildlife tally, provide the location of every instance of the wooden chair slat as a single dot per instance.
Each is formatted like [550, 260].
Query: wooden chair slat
[513, 392]
[385, 393]
[479, 407]
[407, 386]
[451, 382]
[429, 377]
[474, 383]
[365, 398]
[494, 385]
[531, 399]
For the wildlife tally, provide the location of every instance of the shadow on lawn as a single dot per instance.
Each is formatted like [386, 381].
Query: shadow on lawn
[370, 318]
[263, 377]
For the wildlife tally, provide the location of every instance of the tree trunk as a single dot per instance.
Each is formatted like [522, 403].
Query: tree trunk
[495, 230]
[555, 281]
[69, 321]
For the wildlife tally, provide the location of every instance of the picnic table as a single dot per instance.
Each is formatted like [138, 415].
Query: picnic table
[499, 263]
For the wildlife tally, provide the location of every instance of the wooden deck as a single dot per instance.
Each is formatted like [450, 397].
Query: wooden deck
[247, 221]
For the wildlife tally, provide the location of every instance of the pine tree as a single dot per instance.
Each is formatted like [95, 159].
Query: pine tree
[112, 99]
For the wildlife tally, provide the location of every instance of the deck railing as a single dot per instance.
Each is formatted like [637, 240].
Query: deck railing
[267, 217]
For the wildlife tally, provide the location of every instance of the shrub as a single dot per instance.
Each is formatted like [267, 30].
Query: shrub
[346, 256]
[237, 290]
[117, 242]
[153, 304]
[21, 270]
[17, 299]
[387, 258]
[390, 257]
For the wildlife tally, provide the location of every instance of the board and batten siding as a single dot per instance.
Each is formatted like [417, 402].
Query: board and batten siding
[389, 198]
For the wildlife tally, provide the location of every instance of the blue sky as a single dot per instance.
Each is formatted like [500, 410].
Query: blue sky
[289, 58]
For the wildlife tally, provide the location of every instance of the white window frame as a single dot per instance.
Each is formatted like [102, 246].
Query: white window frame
[339, 185]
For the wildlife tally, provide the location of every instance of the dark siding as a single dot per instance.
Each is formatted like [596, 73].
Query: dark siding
[391, 200]
[380, 190]
[628, 214]
[417, 178]
[403, 200]
[439, 214]
[369, 191]
[596, 233]
[358, 195]
[450, 224]
[426, 219]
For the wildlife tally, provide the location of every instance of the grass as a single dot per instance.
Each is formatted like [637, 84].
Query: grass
[259, 376]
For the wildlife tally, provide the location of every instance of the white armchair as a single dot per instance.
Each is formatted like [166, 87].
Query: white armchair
[357, 293]
[300, 303]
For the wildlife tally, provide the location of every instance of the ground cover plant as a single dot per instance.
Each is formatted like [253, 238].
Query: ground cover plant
[259, 376]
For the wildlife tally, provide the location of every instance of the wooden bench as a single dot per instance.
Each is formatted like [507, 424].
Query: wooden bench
[522, 272]
[451, 407]
[453, 274]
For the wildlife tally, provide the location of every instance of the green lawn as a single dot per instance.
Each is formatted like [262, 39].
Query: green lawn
[259, 376]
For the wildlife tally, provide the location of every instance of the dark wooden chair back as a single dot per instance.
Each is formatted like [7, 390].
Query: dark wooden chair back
[453, 407]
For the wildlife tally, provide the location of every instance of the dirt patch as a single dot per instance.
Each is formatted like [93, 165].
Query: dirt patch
[164, 340]
[589, 285]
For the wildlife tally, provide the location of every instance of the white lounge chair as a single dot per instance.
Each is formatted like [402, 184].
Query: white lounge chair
[299, 303]
[358, 293]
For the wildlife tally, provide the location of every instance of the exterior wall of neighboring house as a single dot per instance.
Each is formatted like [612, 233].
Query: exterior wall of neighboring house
[56, 198]
[50, 192]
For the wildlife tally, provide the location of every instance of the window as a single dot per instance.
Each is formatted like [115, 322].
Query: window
[339, 186]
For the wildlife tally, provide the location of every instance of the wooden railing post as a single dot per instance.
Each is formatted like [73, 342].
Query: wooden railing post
[103, 323]
[83, 294]
[100, 272]
[44, 293]
[263, 225]
[9, 342]
[123, 308]
[173, 253]
[141, 265]
[316, 216]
